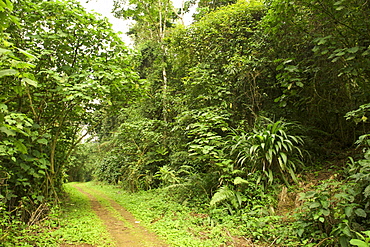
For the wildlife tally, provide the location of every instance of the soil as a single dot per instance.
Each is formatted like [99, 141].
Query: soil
[125, 230]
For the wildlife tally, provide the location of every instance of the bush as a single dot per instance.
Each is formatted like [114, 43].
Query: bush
[335, 211]
[270, 149]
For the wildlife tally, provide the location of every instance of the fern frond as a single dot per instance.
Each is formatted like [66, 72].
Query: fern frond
[224, 193]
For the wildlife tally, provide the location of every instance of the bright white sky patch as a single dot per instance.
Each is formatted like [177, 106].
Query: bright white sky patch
[104, 7]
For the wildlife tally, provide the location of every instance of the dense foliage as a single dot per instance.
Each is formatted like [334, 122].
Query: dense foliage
[230, 114]
[62, 70]
[255, 93]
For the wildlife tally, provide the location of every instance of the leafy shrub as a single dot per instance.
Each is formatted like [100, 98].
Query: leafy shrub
[270, 149]
[206, 130]
[360, 171]
[334, 211]
[230, 198]
[330, 212]
[167, 175]
[244, 196]
[363, 241]
[133, 154]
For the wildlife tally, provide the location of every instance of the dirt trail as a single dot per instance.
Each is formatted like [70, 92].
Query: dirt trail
[125, 230]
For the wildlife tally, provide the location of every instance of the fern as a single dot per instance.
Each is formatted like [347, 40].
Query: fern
[223, 194]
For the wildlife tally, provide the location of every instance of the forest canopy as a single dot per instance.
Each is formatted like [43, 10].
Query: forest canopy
[252, 97]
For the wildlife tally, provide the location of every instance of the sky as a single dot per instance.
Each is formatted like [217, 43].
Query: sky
[104, 7]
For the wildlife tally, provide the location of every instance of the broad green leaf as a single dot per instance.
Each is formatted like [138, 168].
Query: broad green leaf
[367, 191]
[3, 107]
[338, 2]
[270, 176]
[353, 49]
[325, 212]
[366, 53]
[316, 49]
[24, 166]
[280, 67]
[308, 194]
[239, 180]
[343, 241]
[8, 72]
[20, 146]
[22, 65]
[27, 54]
[340, 8]
[29, 81]
[42, 141]
[4, 51]
[253, 149]
[360, 212]
[7, 131]
[339, 54]
[300, 232]
[348, 211]
[314, 205]
[275, 126]
[284, 157]
[324, 52]
[278, 144]
[324, 203]
[358, 243]
[238, 196]
[263, 145]
[367, 233]
[299, 84]
[347, 231]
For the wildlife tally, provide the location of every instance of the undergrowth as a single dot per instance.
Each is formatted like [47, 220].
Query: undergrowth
[331, 212]
[73, 222]
[79, 224]
[180, 225]
[201, 225]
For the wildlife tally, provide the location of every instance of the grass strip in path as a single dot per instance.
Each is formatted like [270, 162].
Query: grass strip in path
[176, 223]
[80, 226]
[123, 227]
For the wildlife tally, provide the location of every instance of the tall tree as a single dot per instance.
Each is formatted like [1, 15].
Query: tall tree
[217, 53]
[152, 20]
[63, 69]
[318, 67]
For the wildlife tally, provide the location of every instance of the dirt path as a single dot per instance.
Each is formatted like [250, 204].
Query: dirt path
[125, 230]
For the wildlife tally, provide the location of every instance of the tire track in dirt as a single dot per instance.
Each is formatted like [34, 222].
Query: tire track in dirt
[121, 224]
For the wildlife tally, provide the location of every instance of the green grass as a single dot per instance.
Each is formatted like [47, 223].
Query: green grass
[105, 202]
[74, 222]
[178, 224]
[175, 223]
[79, 224]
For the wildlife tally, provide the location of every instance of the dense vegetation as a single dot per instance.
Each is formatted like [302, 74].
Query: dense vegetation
[62, 70]
[256, 110]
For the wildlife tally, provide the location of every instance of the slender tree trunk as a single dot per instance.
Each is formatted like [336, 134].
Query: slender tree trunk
[163, 7]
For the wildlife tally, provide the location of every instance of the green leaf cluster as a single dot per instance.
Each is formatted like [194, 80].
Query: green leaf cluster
[270, 150]
[61, 70]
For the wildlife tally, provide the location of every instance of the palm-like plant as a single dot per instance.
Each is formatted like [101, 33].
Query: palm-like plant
[271, 150]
